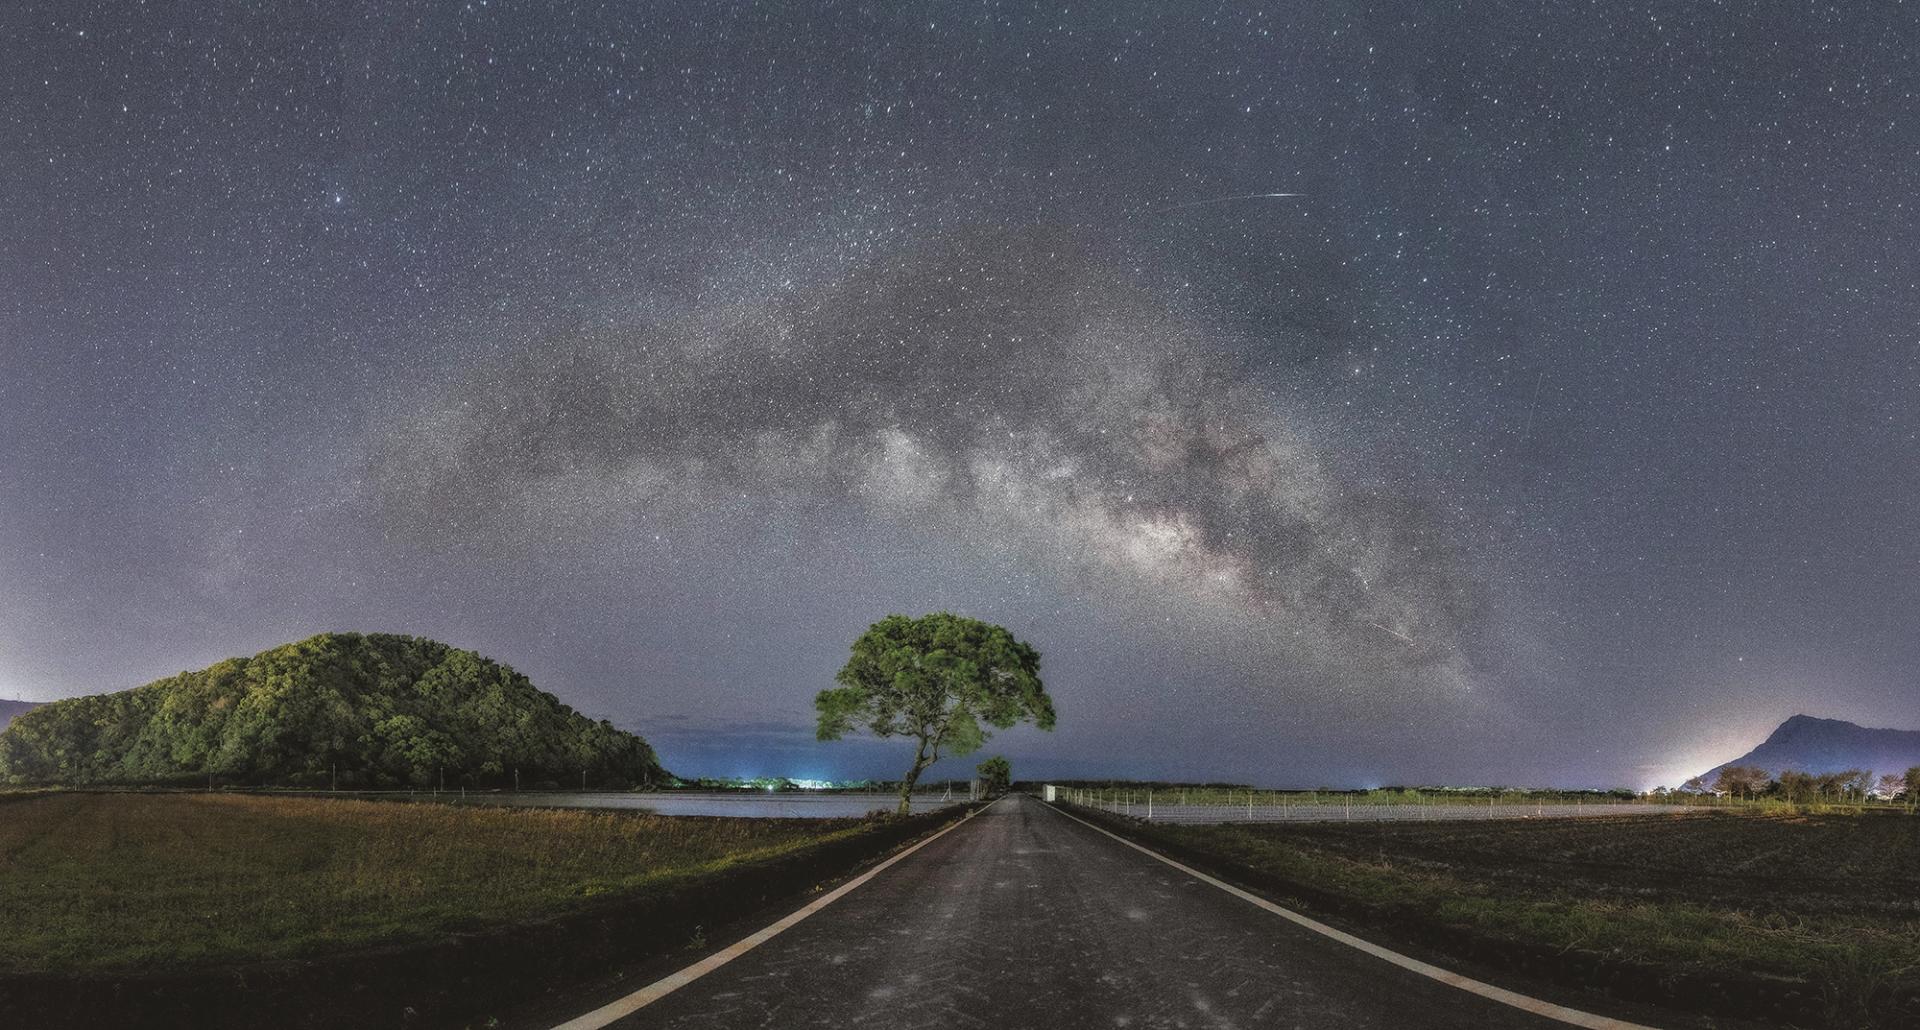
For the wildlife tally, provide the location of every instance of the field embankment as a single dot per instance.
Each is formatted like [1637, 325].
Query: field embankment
[1803, 920]
[149, 909]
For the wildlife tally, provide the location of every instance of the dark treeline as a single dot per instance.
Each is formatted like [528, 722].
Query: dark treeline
[373, 710]
[1751, 781]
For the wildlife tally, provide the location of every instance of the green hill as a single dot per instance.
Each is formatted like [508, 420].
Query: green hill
[11, 710]
[377, 709]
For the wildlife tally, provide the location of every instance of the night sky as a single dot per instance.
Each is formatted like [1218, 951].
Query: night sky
[1561, 429]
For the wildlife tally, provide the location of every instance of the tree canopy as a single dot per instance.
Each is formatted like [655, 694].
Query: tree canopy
[996, 774]
[373, 710]
[941, 679]
[1742, 780]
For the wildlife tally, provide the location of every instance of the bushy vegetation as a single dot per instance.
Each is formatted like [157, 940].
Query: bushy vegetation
[346, 708]
[114, 881]
[996, 774]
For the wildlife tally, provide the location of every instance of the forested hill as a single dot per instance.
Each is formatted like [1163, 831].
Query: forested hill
[382, 710]
[11, 710]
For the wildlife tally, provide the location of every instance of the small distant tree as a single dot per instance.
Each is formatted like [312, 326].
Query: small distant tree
[1859, 783]
[1741, 780]
[1798, 786]
[996, 774]
[1891, 786]
[1913, 784]
[936, 679]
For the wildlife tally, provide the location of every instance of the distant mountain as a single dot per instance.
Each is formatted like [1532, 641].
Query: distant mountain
[1812, 745]
[369, 709]
[11, 710]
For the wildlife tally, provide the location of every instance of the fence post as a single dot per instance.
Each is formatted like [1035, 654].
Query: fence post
[1149, 804]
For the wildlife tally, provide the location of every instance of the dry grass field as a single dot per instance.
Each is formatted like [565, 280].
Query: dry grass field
[1831, 901]
[110, 881]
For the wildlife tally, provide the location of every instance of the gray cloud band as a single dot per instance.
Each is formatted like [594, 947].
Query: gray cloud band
[1011, 388]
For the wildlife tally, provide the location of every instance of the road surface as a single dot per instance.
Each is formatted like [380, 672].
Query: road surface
[1022, 917]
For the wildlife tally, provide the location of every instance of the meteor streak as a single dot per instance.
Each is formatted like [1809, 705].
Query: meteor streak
[1395, 632]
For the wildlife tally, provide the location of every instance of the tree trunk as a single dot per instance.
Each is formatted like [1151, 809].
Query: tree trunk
[920, 763]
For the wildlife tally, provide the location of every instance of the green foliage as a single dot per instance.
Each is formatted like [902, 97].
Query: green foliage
[996, 774]
[374, 709]
[937, 679]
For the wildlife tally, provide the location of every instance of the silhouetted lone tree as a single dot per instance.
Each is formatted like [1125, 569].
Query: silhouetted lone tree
[937, 679]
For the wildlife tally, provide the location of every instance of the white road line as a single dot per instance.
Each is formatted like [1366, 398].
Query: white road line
[1433, 972]
[627, 1006]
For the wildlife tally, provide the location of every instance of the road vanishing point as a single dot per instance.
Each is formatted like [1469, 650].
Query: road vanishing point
[1024, 916]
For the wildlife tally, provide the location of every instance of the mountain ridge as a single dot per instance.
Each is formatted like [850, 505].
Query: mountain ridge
[1811, 744]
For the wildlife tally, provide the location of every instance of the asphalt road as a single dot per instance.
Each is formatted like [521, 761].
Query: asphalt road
[1022, 917]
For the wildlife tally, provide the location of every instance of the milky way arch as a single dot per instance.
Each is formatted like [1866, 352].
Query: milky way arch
[1011, 387]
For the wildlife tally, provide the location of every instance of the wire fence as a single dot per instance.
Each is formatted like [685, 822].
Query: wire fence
[1249, 806]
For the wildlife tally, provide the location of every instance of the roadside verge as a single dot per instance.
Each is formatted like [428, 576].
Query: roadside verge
[460, 978]
[1567, 974]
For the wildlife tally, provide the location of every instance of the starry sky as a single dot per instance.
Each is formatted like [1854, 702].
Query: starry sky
[1560, 428]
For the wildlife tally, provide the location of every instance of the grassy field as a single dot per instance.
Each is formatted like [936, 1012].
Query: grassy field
[1829, 900]
[114, 881]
